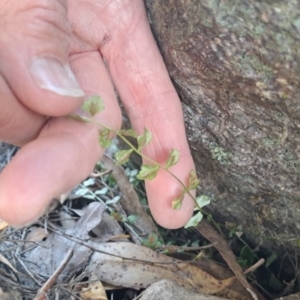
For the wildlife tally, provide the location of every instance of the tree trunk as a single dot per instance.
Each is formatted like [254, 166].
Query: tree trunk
[236, 67]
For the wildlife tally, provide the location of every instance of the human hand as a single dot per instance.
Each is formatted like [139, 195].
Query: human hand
[100, 41]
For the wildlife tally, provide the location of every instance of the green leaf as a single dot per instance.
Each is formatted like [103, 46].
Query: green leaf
[114, 200]
[247, 255]
[93, 105]
[271, 259]
[148, 172]
[89, 182]
[132, 219]
[152, 241]
[122, 156]
[144, 139]
[152, 238]
[202, 201]
[128, 132]
[177, 202]
[116, 216]
[193, 180]
[194, 220]
[173, 158]
[243, 263]
[79, 118]
[104, 138]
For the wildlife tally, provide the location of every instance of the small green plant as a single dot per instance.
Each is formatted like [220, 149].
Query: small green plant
[201, 202]
[93, 105]
[247, 257]
[152, 241]
[131, 219]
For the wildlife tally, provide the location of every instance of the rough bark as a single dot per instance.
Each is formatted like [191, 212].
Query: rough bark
[236, 67]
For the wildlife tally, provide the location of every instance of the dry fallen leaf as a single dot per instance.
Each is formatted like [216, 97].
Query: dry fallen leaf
[94, 291]
[48, 255]
[66, 220]
[3, 225]
[210, 233]
[220, 272]
[6, 262]
[142, 274]
[134, 266]
[107, 229]
[35, 235]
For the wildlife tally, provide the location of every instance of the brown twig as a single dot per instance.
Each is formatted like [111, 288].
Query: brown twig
[255, 266]
[173, 249]
[254, 296]
[49, 283]
[212, 235]
[97, 174]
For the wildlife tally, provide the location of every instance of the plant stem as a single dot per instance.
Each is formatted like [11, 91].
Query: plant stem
[185, 190]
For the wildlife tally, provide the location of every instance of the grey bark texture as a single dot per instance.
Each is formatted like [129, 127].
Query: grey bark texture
[236, 67]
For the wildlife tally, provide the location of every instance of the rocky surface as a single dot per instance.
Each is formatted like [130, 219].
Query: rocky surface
[168, 290]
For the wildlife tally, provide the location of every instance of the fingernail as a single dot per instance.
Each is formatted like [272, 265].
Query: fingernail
[51, 75]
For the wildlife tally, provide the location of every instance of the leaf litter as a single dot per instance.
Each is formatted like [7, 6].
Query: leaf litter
[144, 267]
[211, 234]
[51, 260]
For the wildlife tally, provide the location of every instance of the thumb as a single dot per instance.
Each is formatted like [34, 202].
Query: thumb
[34, 43]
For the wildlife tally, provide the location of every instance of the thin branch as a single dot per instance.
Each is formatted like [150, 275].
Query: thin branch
[255, 266]
[41, 295]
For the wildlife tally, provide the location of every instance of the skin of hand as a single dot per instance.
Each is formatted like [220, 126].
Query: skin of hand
[54, 53]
